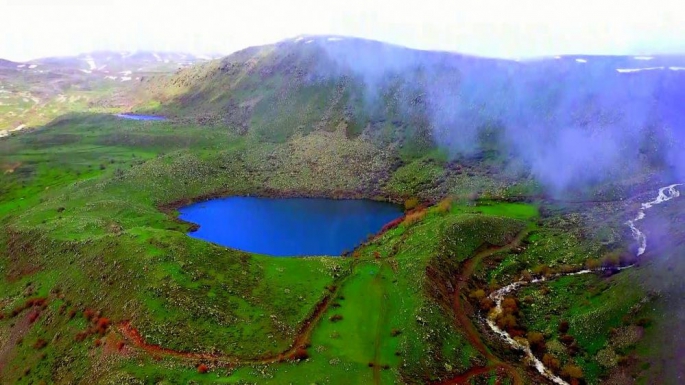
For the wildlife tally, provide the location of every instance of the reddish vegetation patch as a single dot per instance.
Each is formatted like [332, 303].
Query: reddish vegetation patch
[33, 316]
[102, 325]
[202, 368]
[391, 225]
[88, 314]
[99, 325]
[31, 302]
[40, 344]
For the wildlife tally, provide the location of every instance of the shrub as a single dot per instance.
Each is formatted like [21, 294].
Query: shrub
[611, 260]
[40, 344]
[572, 371]
[551, 362]
[507, 322]
[644, 322]
[88, 314]
[509, 305]
[563, 327]
[336, 318]
[592, 264]
[33, 316]
[395, 332]
[392, 224]
[202, 368]
[300, 354]
[542, 270]
[411, 203]
[478, 294]
[487, 303]
[567, 340]
[444, 206]
[414, 217]
[536, 341]
[102, 325]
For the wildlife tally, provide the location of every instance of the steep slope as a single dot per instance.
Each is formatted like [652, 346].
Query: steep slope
[548, 112]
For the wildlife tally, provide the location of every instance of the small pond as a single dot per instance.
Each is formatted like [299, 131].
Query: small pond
[140, 117]
[288, 227]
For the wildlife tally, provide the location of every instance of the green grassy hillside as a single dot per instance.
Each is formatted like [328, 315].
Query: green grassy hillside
[99, 282]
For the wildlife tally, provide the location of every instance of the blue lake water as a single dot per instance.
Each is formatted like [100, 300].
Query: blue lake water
[140, 117]
[288, 227]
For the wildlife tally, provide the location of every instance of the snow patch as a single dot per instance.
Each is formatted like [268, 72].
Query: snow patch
[125, 78]
[581, 60]
[156, 56]
[86, 71]
[32, 66]
[676, 68]
[335, 39]
[308, 41]
[299, 39]
[628, 70]
[21, 66]
[643, 57]
[111, 77]
[126, 73]
[91, 63]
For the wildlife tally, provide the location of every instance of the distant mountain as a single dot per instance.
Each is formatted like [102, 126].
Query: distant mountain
[113, 61]
[5, 64]
[35, 92]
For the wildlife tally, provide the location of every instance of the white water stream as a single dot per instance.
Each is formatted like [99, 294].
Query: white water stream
[665, 194]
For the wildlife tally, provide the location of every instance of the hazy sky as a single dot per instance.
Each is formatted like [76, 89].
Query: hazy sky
[504, 28]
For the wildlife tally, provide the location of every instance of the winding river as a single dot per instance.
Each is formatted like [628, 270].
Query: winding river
[665, 194]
